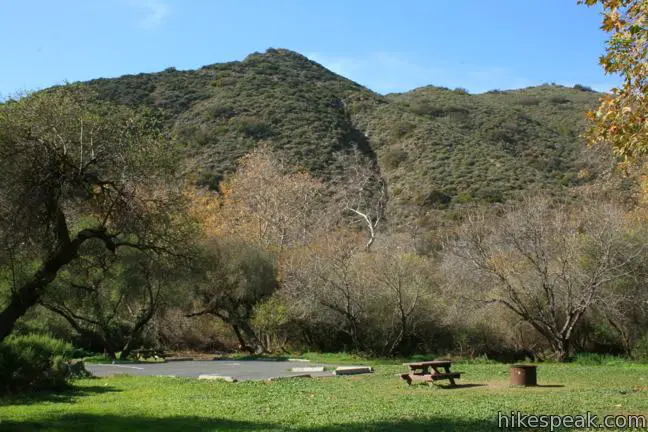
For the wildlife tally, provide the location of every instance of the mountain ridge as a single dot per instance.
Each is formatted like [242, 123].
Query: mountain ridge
[435, 147]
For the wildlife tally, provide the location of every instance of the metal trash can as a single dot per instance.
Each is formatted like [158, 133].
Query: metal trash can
[523, 375]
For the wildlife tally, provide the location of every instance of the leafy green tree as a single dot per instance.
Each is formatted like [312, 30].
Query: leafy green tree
[72, 171]
[112, 297]
[231, 279]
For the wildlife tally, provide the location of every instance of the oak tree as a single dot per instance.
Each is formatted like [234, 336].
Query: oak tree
[74, 170]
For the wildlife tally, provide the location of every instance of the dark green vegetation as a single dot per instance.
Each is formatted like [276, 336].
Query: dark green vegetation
[379, 402]
[435, 147]
[36, 362]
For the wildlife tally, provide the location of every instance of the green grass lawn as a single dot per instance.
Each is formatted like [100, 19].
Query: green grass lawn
[379, 401]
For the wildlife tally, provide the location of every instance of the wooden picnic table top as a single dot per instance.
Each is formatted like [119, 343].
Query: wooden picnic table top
[423, 364]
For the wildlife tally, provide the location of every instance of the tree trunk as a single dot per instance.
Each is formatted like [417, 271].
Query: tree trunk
[126, 349]
[138, 328]
[241, 339]
[561, 349]
[625, 338]
[26, 297]
[257, 347]
[110, 350]
[28, 294]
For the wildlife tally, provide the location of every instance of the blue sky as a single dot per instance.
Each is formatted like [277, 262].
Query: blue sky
[385, 45]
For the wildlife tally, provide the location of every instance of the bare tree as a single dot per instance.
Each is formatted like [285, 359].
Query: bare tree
[323, 283]
[626, 307]
[265, 204]
[403, 287]
[376, 300]
[548, 263]
[365, 194]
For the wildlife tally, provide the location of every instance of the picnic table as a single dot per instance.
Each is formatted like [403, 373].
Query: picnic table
[420, 371]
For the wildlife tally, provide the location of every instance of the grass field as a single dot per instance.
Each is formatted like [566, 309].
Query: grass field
[379, 401]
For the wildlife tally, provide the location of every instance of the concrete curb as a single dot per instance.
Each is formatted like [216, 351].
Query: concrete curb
[353, 370]
[217, 377]
[308, 369]
[280, 378]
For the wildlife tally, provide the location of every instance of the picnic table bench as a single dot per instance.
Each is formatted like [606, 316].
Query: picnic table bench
[420, 371]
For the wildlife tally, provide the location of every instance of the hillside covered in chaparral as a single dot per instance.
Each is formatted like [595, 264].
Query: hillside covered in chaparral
[434, 147]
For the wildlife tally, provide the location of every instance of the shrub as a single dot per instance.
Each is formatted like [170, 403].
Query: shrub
[436, 199]
[529, 101]
[401, 128]
[427, 109]
[394, 157]
[253, 127]
[35, 362]
[583, 88]
[269, 321]
[558, 100]
[640, 349]
[596, 359]
[221, 112]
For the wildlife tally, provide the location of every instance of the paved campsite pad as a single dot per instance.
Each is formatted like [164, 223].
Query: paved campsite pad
[242, 370]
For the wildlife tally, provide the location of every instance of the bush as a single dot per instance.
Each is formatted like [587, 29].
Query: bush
[35, 362]
[253, 127]
[583, 88]
[436, 199]
[558, 100]
[596, 359]
[401, 128]
[640, 349]
[394, 157]
[529, 101]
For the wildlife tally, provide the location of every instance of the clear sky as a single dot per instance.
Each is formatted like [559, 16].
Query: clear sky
[385, 45]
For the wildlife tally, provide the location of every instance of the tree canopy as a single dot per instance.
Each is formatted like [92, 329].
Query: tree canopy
[72, 171]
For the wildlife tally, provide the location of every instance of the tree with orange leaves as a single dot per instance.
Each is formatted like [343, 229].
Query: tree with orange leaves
[621, 120]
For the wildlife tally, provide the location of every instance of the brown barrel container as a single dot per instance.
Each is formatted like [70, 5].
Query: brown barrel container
[523, 375]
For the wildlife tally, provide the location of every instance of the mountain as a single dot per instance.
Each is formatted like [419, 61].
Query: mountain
[434, 146]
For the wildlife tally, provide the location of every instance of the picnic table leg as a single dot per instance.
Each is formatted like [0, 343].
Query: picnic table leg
[416, 375]
[452, 381]
[426, 371]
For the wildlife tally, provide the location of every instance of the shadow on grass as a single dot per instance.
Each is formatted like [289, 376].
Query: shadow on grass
[101, 423]
[445, 386]
[458, 386]
[66, 396]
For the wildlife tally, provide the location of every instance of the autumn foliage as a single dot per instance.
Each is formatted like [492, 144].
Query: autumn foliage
[621, 120]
